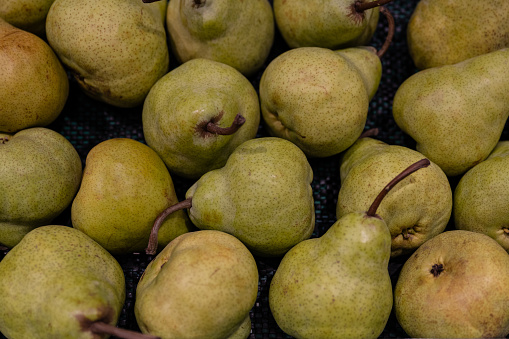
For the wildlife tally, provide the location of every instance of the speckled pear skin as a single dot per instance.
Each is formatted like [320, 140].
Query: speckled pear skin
[39, 176]
[415, 210]
[237, 33]
[55, 277]
[482, 196]
[329, 24]
[201, 286]
[468, 298]
[125, 187]
[116, 49]
[262, 196]
[34, 86]
[183, 101]
[338, 285]
[456, 113]
[28, 15]
[315, 98]
[445, 32]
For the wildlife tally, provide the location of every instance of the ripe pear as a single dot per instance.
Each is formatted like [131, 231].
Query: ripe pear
[125, 186]
[40, 174]
[456, 113]
[181, 107]
[237, 33]
[329, 24]
[482, 196]
[455, 286]
[318, 98]
[201, 285]
[447, 32]
[416, 210]
[28, 15]
[338, 285]
[115, 49]
[34, 86]
[262, 196]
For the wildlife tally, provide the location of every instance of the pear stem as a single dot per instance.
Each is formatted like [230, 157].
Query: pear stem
[361, 6]
[104, 328]
[372, 132]
[237, 122]
[391, 28]
[152, 240]
[406, 172]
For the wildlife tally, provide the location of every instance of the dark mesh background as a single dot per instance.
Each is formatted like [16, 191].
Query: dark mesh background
[86, 123]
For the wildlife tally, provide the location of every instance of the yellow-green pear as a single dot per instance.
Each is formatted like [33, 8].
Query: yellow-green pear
[445, 32]
[203, 285]
[237, 33]
[124, 188]
[456, 113]
[28, 15]
[482, 196]
[34, 85]
[416, 210]
[39, 177]
[115, 49]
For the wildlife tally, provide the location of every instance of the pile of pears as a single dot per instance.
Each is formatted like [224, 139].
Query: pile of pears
[228, 169]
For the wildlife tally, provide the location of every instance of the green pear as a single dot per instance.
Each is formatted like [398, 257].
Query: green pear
[338, 285]
[59, 283]
[34, 86]
[482, 196]
[125, 186]
[456, 113]
[416, 210]
[115, 49]
[447, 32]
[317, 98]
[188, 114]
[329, 24]
[455, 286]
[262, 196]
[40, 174]
[237, 33]
[28, 15]
[201, 285]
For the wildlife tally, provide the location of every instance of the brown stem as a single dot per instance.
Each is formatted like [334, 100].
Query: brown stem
[406, 172]
[152, 240]
[237, 122]
[391, 27]
[361, 6]
[372, 132]
[104, 328]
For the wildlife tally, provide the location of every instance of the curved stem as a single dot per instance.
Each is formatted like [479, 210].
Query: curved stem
[104, 328]
[152, 240]
[364, 6]
[372, 132]
[391, 28]
[237, 122]
[406, 172]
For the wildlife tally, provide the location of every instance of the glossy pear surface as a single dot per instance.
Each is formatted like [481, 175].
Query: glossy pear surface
[262, 196]
[201, 285]
[124, 188]
[456, 113]
[237, 33]
[338, 285]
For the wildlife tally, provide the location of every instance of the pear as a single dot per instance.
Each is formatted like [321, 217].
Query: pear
[201, 285]
[237, 33]
[125, 186]
[416, 210]
[34, 86]
[262, 196]
[28, 15]
[115, 49]
[318, 98]
[197, 114]
[447, 32]
[338, 285]
[329, 24]
[40, 174]
[455, 286]
[482, 196]
[456, 113]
